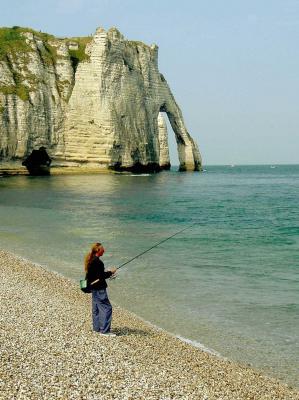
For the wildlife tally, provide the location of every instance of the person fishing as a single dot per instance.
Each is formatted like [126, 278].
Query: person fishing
[96, 284]
[96, 277]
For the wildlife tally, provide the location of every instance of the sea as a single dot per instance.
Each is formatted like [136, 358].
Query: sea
[228, 283]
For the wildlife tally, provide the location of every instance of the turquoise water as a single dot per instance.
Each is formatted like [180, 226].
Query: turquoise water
[229, 283]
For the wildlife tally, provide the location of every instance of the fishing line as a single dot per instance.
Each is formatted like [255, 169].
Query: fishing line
[157, 244]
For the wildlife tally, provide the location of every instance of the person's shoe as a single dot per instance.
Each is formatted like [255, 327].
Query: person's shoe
[107, 334]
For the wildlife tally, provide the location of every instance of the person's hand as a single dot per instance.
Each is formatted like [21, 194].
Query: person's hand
[113, 270]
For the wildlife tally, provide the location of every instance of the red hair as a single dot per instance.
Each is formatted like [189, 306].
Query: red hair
[94, 249]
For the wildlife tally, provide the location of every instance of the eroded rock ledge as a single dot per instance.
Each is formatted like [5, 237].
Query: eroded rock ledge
[99, 101]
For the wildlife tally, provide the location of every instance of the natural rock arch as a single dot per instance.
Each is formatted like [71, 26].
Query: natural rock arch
[105, 113]
[188, 153]
[125, 93]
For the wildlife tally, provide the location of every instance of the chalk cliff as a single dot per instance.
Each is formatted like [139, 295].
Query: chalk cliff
[96, 101]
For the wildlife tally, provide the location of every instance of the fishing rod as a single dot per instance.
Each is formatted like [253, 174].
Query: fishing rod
[162, 241]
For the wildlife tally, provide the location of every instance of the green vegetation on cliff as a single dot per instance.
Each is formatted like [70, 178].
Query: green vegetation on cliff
[15, 47]
[79, 55]
[14, 51]
[13, 42]
[20, 90]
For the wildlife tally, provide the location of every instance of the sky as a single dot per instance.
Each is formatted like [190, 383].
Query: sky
[233, 66]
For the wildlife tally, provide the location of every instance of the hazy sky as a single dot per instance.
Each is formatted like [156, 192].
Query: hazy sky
[233, 65]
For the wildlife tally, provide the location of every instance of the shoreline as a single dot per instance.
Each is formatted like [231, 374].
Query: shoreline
[6, 171]
[14, 168]
[50, 351]
[183, 339]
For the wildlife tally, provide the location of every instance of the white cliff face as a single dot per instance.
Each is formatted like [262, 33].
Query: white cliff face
[107, 114]
[33, 97]
[164, 160]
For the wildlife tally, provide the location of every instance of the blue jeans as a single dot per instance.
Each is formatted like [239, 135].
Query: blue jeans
[101, 311]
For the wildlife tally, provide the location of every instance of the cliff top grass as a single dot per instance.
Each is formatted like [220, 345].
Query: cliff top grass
[78, 55]
[13, 42]
[14, 50]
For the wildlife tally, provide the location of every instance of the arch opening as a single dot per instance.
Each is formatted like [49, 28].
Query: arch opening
[171, 142]
[187, 150]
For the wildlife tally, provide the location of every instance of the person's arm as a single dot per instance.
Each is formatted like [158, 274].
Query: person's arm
[101, 270]
[107, 274]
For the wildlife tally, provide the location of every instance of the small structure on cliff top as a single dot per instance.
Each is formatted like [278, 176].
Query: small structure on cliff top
[38, 162]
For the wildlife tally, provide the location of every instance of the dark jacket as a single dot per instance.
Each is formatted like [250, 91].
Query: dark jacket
[96, 271]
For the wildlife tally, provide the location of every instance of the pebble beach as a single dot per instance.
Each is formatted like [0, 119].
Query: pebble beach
[49, 351]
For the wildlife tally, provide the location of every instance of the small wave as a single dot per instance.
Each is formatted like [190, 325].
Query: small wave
[139, 175]
[193, 343]
[199, 345]
[134, 174]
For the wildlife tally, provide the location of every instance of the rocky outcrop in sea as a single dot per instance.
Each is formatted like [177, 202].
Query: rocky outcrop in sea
[98, 101]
